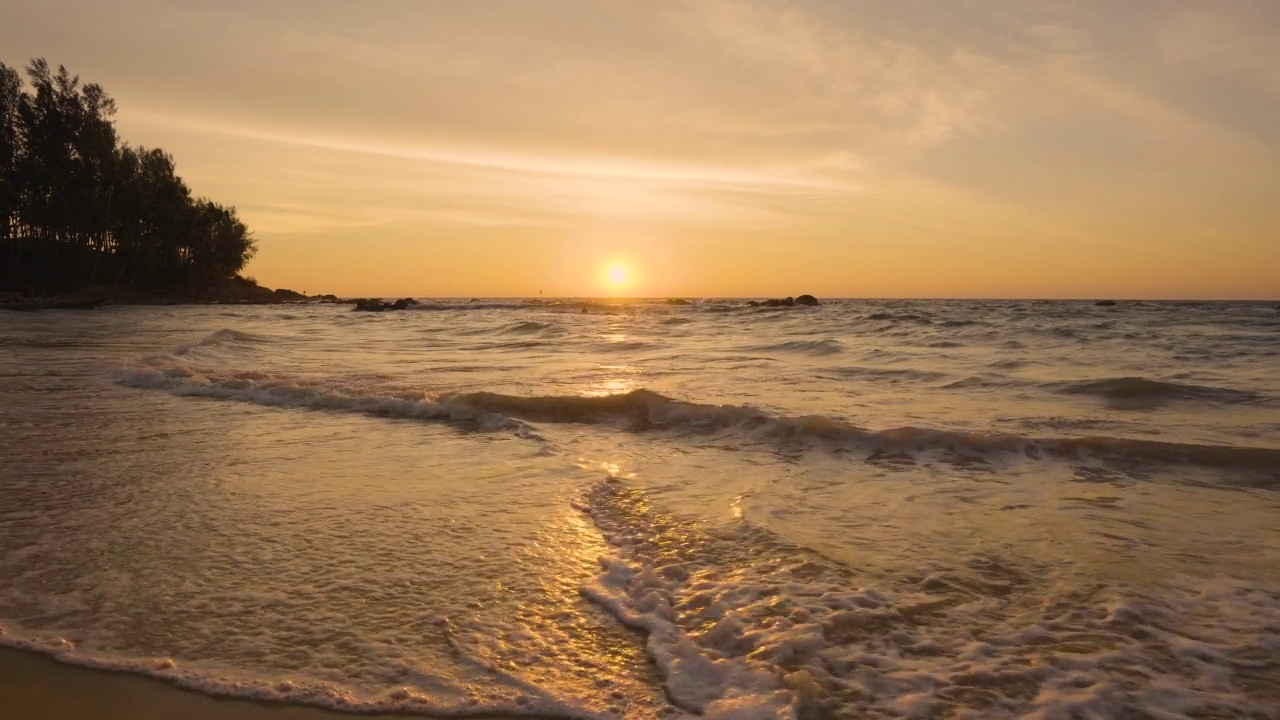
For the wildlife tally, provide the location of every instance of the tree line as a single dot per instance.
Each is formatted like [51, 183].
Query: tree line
[79, 207]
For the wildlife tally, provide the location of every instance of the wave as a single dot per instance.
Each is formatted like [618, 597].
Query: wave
[278, 391]
[531, 327]
[891, 374]
[1011, 363]
[986, 380]
[624, 345]
[509, 695]
[1140, 392]
[645, 410]
[220, 337]
[742, 623]
[900, 317]
[805, 347]
[431, 306]
[596, 307]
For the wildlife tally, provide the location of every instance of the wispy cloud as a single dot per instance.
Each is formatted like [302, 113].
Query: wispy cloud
[603, 168]
[958, 131]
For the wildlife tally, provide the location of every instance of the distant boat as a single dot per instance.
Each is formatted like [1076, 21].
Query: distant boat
[53, 304]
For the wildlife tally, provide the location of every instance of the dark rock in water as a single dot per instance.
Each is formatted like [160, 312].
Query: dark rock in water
[677, 301]
[366, 305]
[808, 300]
[328, 299]
[369, 305]
[1105, 303]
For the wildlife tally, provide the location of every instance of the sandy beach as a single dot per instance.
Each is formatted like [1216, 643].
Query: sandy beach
[34, 686]
[512, 507]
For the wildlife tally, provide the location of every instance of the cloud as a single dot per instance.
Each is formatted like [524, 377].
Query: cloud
[952, 128]
[1209, 44]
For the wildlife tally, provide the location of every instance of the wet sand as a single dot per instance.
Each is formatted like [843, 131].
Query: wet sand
[35, 687]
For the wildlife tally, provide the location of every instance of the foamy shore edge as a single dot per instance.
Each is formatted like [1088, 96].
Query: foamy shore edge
[37, 685]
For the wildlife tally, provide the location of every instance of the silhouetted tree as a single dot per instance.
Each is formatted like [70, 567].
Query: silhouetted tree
[10, 97]
[78, 207]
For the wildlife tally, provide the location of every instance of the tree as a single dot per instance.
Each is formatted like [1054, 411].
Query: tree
[10, 97]
[77, 205]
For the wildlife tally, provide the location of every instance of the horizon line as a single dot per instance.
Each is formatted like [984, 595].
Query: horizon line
[1081, 298]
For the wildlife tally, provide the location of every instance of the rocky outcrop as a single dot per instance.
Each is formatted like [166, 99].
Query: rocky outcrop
[374, 305]
[235, 291]
[803, 300]
[285, 295]
[1105, 303]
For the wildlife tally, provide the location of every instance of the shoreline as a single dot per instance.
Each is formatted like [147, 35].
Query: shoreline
[36, 685]
[236, 291]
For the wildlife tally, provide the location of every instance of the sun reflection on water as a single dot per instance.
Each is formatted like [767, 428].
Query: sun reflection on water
[612, 469]
[613, 380]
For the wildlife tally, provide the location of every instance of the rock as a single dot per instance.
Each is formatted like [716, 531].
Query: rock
[368, 305]
[286, 295]
[371, 305]
[1105, 303]
[328, 298]
[677, 301]
[802, 301]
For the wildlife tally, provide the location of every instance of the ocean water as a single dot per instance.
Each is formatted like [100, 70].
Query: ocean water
[642, 509]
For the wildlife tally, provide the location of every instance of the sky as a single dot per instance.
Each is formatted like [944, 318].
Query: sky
[955, 148]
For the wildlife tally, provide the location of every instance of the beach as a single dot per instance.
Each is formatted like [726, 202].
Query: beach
[35, 686]
[636, 509]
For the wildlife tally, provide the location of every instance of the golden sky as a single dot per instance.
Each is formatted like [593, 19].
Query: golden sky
[954, 148]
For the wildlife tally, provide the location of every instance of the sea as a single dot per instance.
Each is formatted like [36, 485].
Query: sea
[649, 509]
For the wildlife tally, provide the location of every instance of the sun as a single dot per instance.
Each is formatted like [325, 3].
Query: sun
[618, 277]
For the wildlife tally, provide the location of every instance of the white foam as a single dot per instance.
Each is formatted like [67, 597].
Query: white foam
[499, 694]
[182, 371]
[312, 394]
[747, 627]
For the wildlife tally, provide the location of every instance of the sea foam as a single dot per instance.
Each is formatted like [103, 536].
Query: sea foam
[743, 624]
[645, 410]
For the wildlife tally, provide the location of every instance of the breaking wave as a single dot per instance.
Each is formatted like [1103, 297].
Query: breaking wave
[219, 337]
[645, 410]
[743, 624]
